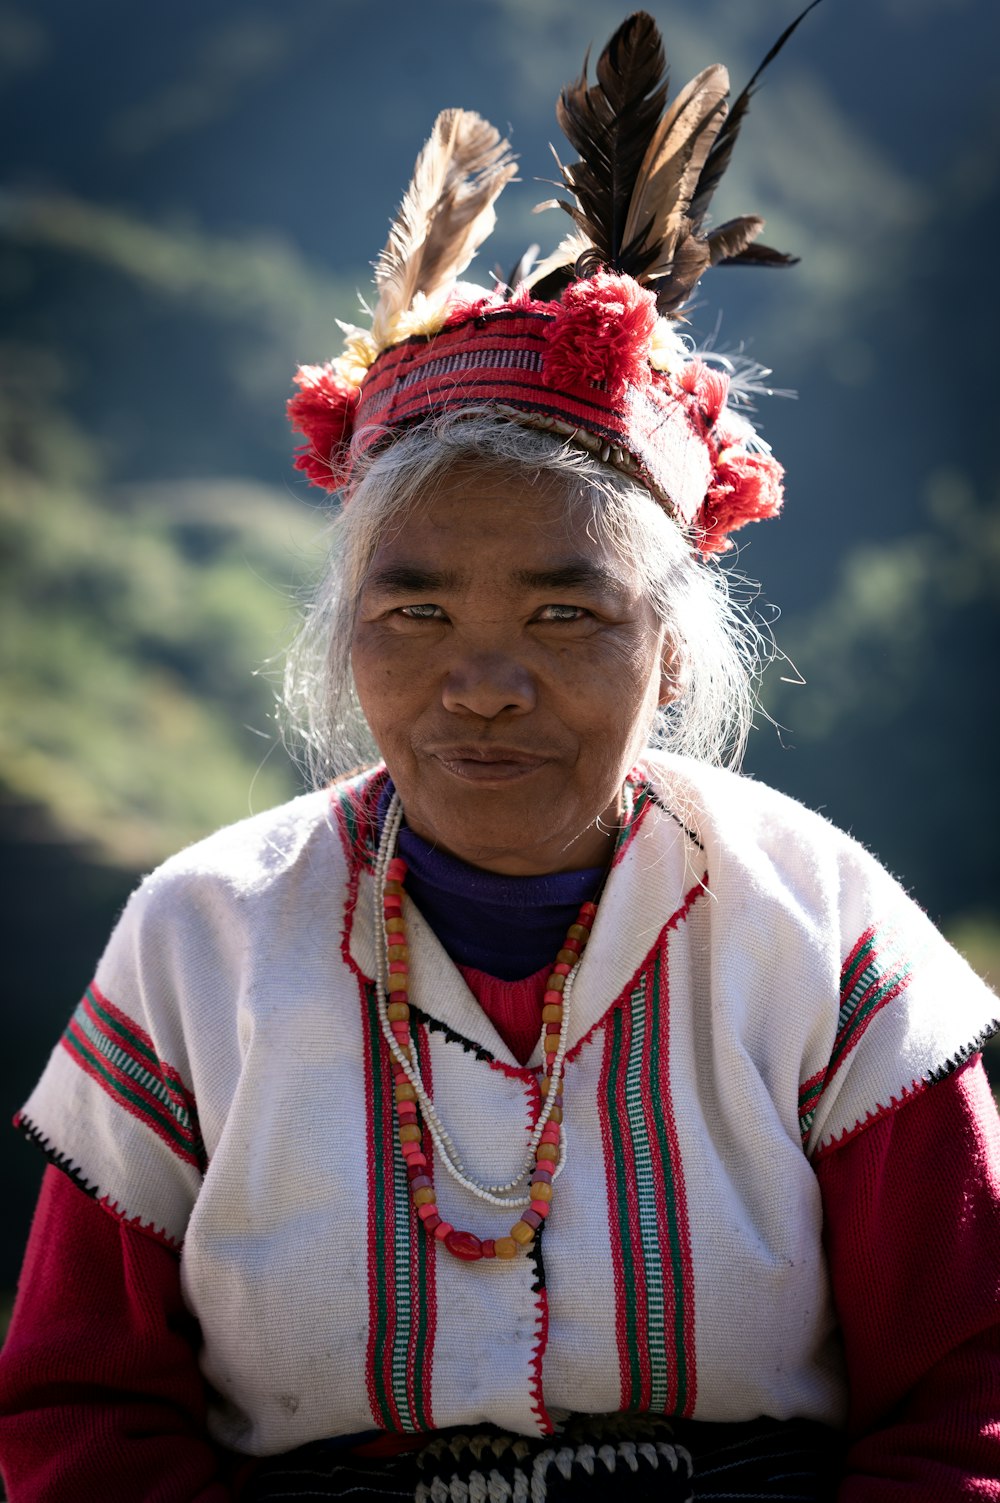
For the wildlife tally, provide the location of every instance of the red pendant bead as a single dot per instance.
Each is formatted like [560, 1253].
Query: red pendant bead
[465, 1246]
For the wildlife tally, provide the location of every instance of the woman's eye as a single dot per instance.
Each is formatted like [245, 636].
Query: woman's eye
[562, 613]
[421, 612]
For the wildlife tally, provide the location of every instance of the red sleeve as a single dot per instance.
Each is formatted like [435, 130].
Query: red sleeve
[912, 1212]
[100, 1391]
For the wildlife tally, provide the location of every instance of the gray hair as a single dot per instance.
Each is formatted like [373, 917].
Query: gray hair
[718, 650]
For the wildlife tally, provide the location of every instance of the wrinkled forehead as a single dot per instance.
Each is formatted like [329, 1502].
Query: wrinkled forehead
[521, 523]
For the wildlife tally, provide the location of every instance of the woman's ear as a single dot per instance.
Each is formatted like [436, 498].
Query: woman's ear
[675, 674]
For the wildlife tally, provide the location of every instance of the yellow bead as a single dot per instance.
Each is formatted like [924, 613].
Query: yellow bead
[398, 987]
[550, 1043]
[398, 1012]
[522, 1232]
[543, 1085]
[555, 983]
[555, 1115]
[577, 931]
[395, 926]
[396, 887]
[424, 1197]
[505, 1247]
[552, 1012]
[541, 1191]
[410, 1133]
[544, 1153]
[405, 1092]
[399, 952]
[567, 957]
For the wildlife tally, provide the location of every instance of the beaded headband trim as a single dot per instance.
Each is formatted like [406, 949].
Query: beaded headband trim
[586, 344]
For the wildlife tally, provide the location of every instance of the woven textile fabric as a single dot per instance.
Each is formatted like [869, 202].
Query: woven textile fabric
[756, 990]
[464, 366]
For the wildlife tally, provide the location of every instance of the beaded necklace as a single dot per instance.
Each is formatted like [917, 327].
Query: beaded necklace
[545, 1153]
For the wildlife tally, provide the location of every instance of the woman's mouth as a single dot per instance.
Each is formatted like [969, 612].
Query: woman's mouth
[488, 764]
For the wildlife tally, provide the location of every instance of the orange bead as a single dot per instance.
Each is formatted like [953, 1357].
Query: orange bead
[544, 1151]
[540, 1190]
[405, 1092]
[398, 1012]
[550, 1043]
[505, 1247]
[410, 1133]
[522, 1232]
[423, 1197]
[567, 957]
[544, 1084]
[577, 931]
[399, 952]
[555, 1115]
[552, 1013]
[395, 926]
[555, 983]
[394, 887]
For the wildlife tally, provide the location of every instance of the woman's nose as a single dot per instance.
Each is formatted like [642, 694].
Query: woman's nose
[486, 684]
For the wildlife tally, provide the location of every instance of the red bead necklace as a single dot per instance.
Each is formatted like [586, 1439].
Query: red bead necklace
[461, 1244]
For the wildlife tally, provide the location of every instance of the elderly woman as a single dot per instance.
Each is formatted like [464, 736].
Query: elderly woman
[534, 1112]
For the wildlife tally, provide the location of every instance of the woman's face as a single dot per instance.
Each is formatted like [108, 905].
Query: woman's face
[509, 669]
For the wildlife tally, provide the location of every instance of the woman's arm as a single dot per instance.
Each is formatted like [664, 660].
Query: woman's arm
[100, 1391]
[912, 1211]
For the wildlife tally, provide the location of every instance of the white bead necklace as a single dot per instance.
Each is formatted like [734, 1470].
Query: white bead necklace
[508, 1194]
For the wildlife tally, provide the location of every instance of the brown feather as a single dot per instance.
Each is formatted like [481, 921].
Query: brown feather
[446, 213]
[732, 238]
[760, 255]
[672, 167]
[609, 124]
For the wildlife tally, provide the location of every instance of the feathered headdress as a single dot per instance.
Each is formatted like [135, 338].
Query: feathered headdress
[586, 343]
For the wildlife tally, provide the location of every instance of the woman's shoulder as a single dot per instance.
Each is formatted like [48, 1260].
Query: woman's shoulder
[750, 823]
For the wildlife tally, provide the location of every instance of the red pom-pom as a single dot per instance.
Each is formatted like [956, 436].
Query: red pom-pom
[747, 488]
[601, 334]
[708, 386]
[323, 412]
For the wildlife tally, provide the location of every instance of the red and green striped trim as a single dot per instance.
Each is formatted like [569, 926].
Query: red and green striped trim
[116, 1053]
[638, 797]
[873, 974]
[401, 1268]
[355, 805]
[650, 1235]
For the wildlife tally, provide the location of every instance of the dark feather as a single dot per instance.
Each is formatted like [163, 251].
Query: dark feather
[719, 157]
[733, 237]
[759, 255]
[691, 259]
[610, 124]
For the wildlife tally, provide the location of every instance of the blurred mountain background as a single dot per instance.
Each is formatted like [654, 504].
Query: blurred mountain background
[191, 195]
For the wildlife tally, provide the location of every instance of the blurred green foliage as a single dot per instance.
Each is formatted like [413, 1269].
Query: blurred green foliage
[141, 631]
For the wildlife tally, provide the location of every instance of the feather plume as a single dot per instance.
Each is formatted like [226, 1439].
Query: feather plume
[610, 124]
[645, 177]
[446, 214]
[673, 164]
